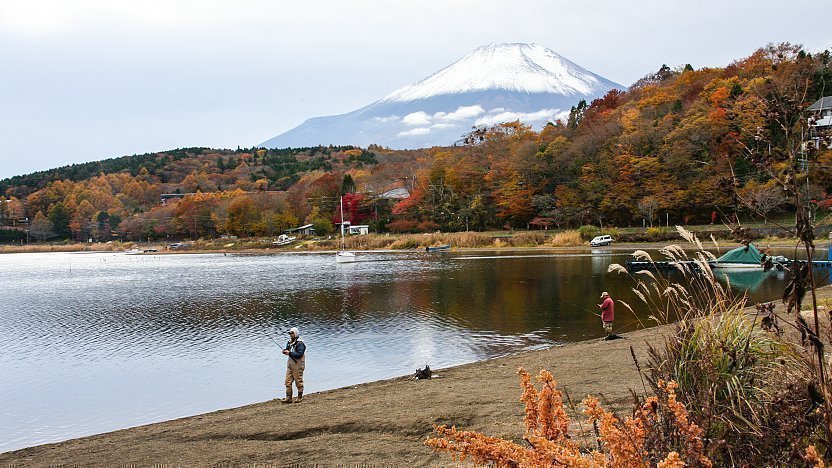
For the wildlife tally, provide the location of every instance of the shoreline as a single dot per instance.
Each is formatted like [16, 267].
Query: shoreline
[378, 422]
[617, 247]
[383, 421]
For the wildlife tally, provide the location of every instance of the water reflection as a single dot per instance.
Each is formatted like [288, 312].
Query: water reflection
[95, 342]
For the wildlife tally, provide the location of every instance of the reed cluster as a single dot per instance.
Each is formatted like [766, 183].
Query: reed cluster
[748, 386]
[74, 247]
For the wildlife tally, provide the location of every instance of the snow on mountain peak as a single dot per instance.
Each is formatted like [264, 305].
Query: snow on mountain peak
[527, 68]
[492, 84]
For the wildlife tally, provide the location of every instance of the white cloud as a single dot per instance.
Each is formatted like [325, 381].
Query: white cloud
[461, 113]
[525, 117]
[439, 119]
[443, 125]
[416, 118]
[414, 132]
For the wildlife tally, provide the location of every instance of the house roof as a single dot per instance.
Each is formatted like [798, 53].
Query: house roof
[821, 104]
[305, 226]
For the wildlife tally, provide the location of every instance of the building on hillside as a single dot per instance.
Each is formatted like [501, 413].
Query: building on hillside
[353, 230]
[305, 230]
[167, 198]
[359, 230]
[820, 123]
[396, 191]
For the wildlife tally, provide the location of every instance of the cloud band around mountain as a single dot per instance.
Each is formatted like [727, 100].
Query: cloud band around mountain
[423, 123]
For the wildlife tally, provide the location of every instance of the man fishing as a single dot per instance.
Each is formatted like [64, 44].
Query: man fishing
[607, 312]
[296, 350]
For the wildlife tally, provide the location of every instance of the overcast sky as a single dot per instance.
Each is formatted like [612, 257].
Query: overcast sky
[88, 80]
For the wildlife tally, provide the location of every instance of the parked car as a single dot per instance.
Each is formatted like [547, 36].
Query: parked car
[600, 240]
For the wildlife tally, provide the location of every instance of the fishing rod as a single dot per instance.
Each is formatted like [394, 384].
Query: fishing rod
[581, 308]
[275, 342]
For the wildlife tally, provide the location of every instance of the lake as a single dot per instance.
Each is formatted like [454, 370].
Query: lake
[93, 342]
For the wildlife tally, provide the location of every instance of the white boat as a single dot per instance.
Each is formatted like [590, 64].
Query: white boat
[132, 252]
[283, 239]
[343, 255]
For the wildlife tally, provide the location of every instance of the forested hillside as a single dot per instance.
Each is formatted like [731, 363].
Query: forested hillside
[691, 145]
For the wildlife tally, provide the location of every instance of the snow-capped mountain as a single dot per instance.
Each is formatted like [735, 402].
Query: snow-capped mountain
[492, 84]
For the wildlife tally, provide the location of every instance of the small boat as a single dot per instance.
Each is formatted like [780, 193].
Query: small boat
[132, 252]
[438, 248]
[283, 239]
[343, 255]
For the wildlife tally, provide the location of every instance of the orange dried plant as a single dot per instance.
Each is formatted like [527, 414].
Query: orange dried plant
[628, 443]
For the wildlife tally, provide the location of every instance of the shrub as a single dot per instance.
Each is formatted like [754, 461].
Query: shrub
[656, 233]
[737, 381]
[746, 387]
[470, 239]
[427, 226]
[565, 239]
[611, 231]
[407, 242]
[659, 433]
[528, 239]
[403, 225]
[589, 231]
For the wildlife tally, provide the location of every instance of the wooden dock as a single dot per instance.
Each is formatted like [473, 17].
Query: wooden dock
[638, 265]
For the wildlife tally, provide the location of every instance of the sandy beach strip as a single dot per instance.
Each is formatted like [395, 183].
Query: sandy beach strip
[378, 422]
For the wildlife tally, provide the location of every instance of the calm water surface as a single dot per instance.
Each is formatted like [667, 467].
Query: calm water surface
[95, 342]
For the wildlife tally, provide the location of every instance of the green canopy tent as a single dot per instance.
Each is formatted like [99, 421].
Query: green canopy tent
[746, 256]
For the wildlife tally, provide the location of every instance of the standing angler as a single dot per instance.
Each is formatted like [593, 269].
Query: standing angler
[607, 312]
[296, 350]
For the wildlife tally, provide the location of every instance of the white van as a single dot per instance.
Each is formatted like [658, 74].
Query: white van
[600, 240]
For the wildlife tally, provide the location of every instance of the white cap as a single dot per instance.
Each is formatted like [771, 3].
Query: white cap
[604, 294]
[294, 331]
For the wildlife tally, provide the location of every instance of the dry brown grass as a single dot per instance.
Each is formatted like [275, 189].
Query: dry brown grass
[419, 241]
[461, 240]
[41, 248]
[566, 239]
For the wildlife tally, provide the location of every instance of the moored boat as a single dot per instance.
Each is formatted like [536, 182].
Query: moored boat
[284, 239]
[343, 255]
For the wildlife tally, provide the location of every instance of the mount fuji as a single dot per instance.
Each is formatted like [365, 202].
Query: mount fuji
[492, 84]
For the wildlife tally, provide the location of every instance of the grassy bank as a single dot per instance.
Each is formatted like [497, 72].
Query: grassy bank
[493, 240]
[76, 247]
[759, 233]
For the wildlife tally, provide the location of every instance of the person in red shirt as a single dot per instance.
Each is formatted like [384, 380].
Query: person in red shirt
[607, 312]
